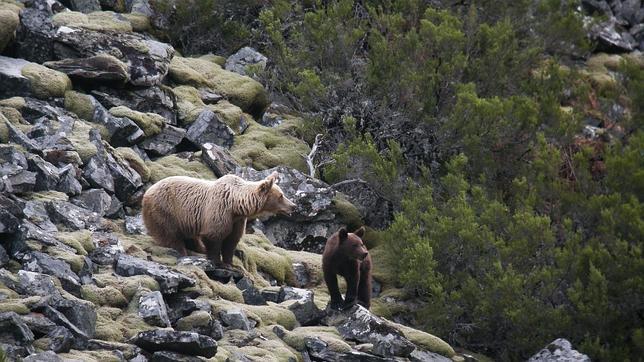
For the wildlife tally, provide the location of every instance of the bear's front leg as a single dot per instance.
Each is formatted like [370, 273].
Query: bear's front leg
[230, 243]
[213, 249]
[332, 284]
[353, 279]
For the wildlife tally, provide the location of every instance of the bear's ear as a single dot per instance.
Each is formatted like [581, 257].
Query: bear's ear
[342, 234]
[266, 185]
[360, 232]
[274, 176]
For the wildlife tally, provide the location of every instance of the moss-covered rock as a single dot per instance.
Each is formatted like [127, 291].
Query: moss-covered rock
[13, 6]
[189, 103]
[230, 114]
[20, 306]
[297, 338]
[242, 91]
[79, 138]
[266, 147]
[209, 287]
[79, 104]
[4, 129]
[13, 115]
[98, 20]
[175, 166]
[150, 123]
[135, 161]
[91, 356]
[115, 325]
[426, 341]
[139, 22]
[45, 82]
[80, 240]
[108, 295]
[217, 59]
[128, 286]
[264, 315]
[347, 213]
[75, 261]
[8, 24]
[198, 318]
[603, 62]
[260, 254]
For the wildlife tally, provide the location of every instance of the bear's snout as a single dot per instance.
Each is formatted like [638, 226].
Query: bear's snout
[364, 255]
[289, 207]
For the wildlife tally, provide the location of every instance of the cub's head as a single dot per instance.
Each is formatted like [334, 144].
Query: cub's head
[276, 202]
[351, 244]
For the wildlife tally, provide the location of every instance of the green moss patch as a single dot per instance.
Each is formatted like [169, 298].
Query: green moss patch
[8, 24]
[20, 306]
[189, 103]
[128, 286]
[346, 212]
[211, 288]
[426, 341]
[13, 102]
[264, 315]
[80, 104]
[108, 295]
[98, 20]
[230, 114]
[260, 254]
[242, 91]
[45, 82]
[174, 166]
[265, 147]
[80, 240]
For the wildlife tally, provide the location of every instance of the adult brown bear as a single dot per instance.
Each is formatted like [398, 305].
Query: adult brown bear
[209, 216]
[346, 255]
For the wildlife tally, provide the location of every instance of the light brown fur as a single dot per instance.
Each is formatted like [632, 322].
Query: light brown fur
[210, 217]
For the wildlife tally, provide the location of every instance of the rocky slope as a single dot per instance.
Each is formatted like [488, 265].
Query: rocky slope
[93, 110]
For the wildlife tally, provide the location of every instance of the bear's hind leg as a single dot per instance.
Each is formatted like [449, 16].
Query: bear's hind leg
[213, 249]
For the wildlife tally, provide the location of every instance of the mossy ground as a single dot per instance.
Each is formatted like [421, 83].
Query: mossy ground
[79, 104]
[175, 166]
[264, 315]
[98, 20]
[426, 341]
[346, 212]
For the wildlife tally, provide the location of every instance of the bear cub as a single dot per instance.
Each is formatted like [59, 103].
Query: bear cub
[346, 255]
[209, 217]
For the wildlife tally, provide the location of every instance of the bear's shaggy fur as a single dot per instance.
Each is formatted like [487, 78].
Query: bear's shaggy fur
[209, 217]
[346, 255]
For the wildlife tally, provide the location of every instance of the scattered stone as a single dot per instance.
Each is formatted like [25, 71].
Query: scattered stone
[68, 182]
[165, 142]
[134, 224]
[38, 324]
[218, 158]
[236, 319]
[47, 356]
[60, 339]
[95, 200]
[129, 350]
[159, 100]
[208, 128]
[425, 356]
[80, 338]
[47, 175]
[559, 350]
[43, 263]
[153, 310]
[221, 275]
[14, 331]
[169, 280]
[188, 343]
[251, 294]
[166, 356]
[72, 216]
[271, 294]
[301, 304]
[244, 57]
[301, 273]
[4, 257]
[32, 283]
[201, 321]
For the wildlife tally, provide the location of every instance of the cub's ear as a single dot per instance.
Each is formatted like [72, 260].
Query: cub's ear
[343, 234]
[266, 185]
[360, 232]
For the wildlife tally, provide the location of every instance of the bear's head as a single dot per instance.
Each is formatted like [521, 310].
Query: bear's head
[276, 202]
[351, 244]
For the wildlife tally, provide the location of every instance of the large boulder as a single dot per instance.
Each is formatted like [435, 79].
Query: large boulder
[188, 343]
[559, 350]
[208, 128]
[169, 280]
[22, 78]
[156, 99]
[244, 57]
[99, 68]
[147, 60]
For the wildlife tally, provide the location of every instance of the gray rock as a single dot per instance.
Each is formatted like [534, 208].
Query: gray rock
[47, 175]
[301, 304]
[188, 343]
[107, 250]
[158, 99]
[35, 35]
[17, 180]
[36, 212]
[9, 154]
[153, 310]
[122, 130]
[32, 283]
[236, 319]
[80, 337]
[208, 128]
[169, 280]
[60, 339]
[43, 263]
[425, 356]
[98, 174]
[129, 350]
[221, 275]
[166, 356]
[72, 216]
[12, 80]
[165, 142]
[318, 349]
[301, 273]
[358, 324]
[134, 224]
[18, 137]
[559, 350]
[10, 214]
[38, 323]
[84, 6]
[148, 60]
[95, 200]
[182, 304]
[68, 181]
[47, 356]
[4, 257]
[245, 56]
[14, 331]
[218, 158]
[251, 294]
[609, 39]
[92, 69]
[271, 294]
